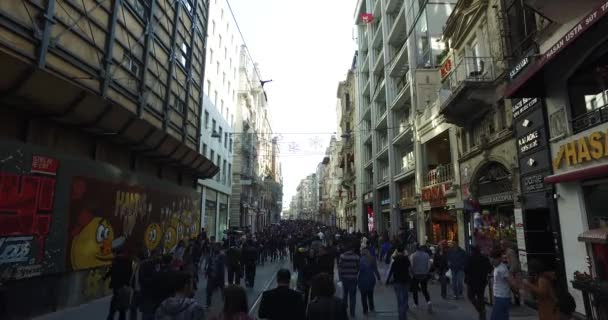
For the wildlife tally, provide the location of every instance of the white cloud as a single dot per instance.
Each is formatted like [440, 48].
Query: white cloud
[306, 47]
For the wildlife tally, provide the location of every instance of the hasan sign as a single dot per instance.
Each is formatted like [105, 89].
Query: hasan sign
[584, 149]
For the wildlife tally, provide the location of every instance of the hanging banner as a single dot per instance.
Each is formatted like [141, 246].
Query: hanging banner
[367, 17]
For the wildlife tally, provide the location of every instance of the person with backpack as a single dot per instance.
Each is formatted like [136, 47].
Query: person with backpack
[180, 306]
[420, 262]
[554, 301]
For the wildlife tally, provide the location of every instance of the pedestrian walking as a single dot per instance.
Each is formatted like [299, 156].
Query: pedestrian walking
[456, 260]
[249, 258]
[235, 305]
[282, 302]
[440, 264]
[178, 255]
[554, 300]
[512, 260]
[214, 272]
[368, 273]
[233, 264]
[180, 306]
[120, 274]
[420, 262]
[476, 271]
[348, 269]
[400, 275]
[502, 283]
[324, 305]
[326, 261]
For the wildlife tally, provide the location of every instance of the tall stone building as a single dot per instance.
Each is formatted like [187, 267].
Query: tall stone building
[100, 141]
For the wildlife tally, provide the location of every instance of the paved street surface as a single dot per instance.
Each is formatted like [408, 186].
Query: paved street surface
[386, 304]
[98, 309]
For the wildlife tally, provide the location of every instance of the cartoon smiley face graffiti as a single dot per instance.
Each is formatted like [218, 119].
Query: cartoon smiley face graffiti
[92, 246]
[153, 236]
[170, 239]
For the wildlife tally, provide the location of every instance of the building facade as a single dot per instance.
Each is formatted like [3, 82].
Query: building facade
[219, 107]
[397, 83]
[474, 77]
[255, 162]
[100, 141]
[559, 105]
[347, 122]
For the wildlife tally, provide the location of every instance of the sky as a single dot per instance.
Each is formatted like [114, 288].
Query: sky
[306, 48]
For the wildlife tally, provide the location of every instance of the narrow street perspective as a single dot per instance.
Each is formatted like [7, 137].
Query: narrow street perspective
[303, 160]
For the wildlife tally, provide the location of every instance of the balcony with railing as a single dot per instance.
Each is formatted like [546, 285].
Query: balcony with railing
[399, 64]
[382, 146]
[398, 31]
[405, 162]
[403, 128]
[383, 173]
[590, 119]
[441, 174]
[379, 89]
[468, 89]
[402, 92]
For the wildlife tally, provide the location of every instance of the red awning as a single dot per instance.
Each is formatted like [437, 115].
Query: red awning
[580, 174]
[531, 81]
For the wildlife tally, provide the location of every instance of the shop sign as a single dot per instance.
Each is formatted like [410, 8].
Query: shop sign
[385, 202]
[519, 67]
[524, 105]
[529, 141]
[446, 67]
[576, 31]
[436, 195]
[533, 183]
[496, 198]
[582, 150]
[44, 165]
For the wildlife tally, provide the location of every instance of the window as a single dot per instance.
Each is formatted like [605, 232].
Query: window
[225, 52]
[222, 14]
[222, 106]
[226, 140]
[229, 174]
[220, 133]
[219, 162]
[213, 126]
[218, 67]
[228, 88]
[347, 101]
[588, 91]
[204, 149]
[208, 87]
[213, 27]
[206, 119]
[215, 98]
[183, 55]
[230, 146]
[210, 56]
[224, 172]
[219, 41]
[187, 5]
[230, 63]
[211, 155]
[131, 64]
[224, 78]
[179, 104]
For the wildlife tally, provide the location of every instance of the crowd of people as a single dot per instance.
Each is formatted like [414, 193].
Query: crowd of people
[163, 286]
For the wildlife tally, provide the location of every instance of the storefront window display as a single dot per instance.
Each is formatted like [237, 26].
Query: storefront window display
[210, 212]
[492, 225]
[596, 205]
[442, 226]
[223, 216]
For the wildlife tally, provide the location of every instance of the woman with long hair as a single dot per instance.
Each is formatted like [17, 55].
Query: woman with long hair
[235, 305]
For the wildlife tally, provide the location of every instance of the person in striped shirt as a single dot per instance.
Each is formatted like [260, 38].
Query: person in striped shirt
[348, 270]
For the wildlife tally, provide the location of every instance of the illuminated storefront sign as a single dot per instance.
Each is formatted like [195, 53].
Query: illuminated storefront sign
[582, 150]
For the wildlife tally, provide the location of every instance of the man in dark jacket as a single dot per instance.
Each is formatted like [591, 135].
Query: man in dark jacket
[326, 261]
[233, 264]
[181, 305]
[325, 306]
[400, 272]
[120, 278]
[456, 260]
[282, 302]
[440, 264]
[476, 271]
[214, 272]
[249, 257]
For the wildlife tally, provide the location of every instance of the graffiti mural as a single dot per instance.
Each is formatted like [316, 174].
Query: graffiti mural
[105, 215]
[26, 204]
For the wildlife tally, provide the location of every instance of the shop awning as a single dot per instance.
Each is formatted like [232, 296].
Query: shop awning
[531, 82]
[599, 235]
[579, 174]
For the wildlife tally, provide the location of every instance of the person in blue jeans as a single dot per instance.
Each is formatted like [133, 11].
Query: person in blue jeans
[368, 273]
[456, 260]
[503, 281]
[348, 269]
[400, 274]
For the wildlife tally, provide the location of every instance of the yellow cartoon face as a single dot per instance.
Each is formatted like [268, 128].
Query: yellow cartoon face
[92, 247]
[152, 236]
[170, 238]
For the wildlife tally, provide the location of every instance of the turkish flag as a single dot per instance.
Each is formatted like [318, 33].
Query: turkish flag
[367, 17]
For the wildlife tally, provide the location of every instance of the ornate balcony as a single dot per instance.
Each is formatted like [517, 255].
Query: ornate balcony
[468, 90]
